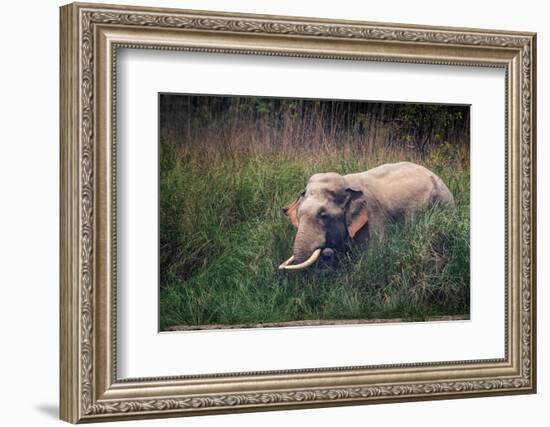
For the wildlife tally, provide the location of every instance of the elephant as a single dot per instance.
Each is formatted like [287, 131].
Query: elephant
[335, 210]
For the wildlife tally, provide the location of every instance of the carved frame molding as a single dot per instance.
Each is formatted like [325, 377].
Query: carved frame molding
[90, 36]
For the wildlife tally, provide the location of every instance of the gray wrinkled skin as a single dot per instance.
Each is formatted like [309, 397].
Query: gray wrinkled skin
[334, 204]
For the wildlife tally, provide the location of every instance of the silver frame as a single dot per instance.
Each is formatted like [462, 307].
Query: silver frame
[90, 37]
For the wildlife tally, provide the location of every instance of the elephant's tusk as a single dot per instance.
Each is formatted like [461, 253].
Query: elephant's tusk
[311, 260]
[288, 261]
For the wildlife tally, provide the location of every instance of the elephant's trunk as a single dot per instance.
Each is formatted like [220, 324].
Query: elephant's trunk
[307, 248]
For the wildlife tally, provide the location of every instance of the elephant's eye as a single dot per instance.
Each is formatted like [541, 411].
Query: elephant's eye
[339, 200]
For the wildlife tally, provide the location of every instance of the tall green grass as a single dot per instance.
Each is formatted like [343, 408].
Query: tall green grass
[223, 234]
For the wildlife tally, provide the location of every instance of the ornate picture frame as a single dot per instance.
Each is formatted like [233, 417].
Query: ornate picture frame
[90, 37]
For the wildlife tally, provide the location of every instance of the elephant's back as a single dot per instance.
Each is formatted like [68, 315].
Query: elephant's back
[394, 173]
[404, 186]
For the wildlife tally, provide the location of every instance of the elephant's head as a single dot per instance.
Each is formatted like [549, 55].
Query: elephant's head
[327, 215]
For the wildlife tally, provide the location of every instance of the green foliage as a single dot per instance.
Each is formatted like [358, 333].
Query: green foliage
[222, 236]
[427, 126]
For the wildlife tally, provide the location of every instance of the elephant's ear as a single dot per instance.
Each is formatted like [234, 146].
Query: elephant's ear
[356, 212]
[291, 210]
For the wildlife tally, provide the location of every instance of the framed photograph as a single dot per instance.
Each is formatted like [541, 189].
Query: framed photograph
[267, 212]
[242, 190]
